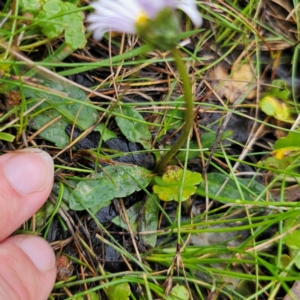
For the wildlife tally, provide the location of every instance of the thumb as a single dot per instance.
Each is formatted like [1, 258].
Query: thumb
[27, 263]
[28, 268]
[26, 179]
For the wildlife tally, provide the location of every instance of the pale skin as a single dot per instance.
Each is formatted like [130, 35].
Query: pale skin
[28, 266]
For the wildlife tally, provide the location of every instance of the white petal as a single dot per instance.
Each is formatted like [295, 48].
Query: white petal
[113, 15]
[153, 7]
[98, 33]
[190, 8]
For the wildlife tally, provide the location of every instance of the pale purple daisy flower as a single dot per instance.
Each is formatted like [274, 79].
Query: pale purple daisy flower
[126, 15]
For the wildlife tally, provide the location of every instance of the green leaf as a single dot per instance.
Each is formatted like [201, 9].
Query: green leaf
[286, 152]
[119, 291]
[4, 136]
[179, 292]
[75, 39]
[279, 90]
[54, 133]
[285, 260]
[230, 192]
[134, 131]
[278, 164]
[73, 17]
[268, 105]
[132, 214]
[168, 187]
[57, 16]
[149, 219]
[31, 6]
[292, 239]
[92, 296]
[295, 254]
[45, 212]
[51, 18]
[291, 140]
[287, 146]
[105, 133]
[82, 115]
[74, 28]
[276, 108]
[113, 182]
[207, 141]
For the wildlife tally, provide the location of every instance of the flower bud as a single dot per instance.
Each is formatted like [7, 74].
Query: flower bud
[162, 31]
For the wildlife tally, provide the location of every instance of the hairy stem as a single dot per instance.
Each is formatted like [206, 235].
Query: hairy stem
[189, 112]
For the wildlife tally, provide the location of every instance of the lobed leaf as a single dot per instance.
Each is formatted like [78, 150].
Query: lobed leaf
[57, 17]
[179, 292]
[119, 291]
[287, 146]
[168, 187]
[275, 108]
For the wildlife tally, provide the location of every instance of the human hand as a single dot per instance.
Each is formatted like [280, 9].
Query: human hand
[27, 263]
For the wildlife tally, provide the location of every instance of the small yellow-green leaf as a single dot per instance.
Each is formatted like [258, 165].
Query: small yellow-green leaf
[291, 140]
[268, 105]
[276, 163]
[295, 255]
[92, 296]
[276, 108]
[119, 291]
[50, 18]
[75, 38]
[6, 137]
[279, 90]
[32, 6]
[287, 151]
[74, 29]
[287, 146]
[57, 17]
[179, 292]
[168, 186]
[292, 238]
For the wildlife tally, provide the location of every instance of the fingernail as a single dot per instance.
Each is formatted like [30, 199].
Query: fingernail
[39, 251]
[29, 170]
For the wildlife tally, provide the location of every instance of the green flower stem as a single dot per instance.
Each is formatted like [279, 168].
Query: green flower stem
[189, 112]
